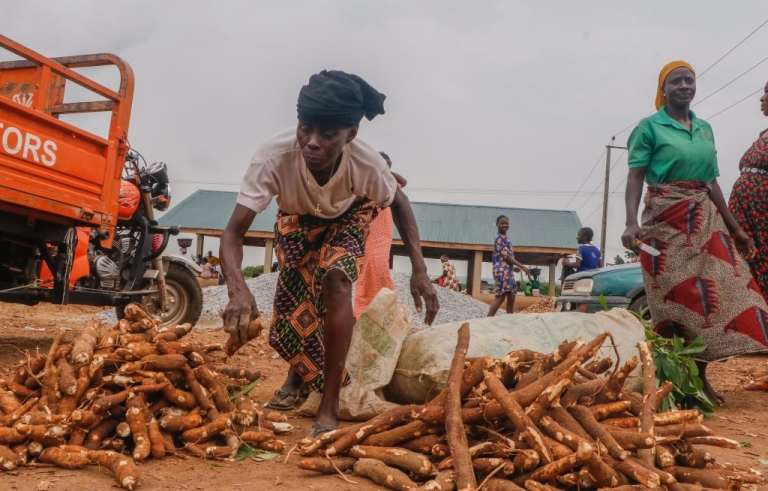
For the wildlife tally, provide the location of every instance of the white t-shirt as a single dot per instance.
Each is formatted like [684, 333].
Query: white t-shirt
[278, 170]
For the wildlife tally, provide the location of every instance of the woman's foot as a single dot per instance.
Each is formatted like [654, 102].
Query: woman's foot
[709, 391]
[318, 429]
[283, 400]
[288, 395]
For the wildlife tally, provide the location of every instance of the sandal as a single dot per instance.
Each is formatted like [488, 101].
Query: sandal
[283, 400]
[318, 429]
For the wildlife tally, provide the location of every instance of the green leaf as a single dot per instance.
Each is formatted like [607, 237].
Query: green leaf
[693, 369]
[246, 390]
[679, 344]
[745, 444]
[244, 452]
[264, 455]
[214, 464]
[603, 303]
[672, 372]
[248, 452]
[697, 346]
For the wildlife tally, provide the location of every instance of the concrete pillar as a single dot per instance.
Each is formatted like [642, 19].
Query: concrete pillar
[200, 242]
[268, 254]
[477, 273]
[552, 267]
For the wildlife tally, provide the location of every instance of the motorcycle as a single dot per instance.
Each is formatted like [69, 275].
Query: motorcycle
[136, 267]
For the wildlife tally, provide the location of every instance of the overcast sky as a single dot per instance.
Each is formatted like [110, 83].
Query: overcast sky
[499, 103]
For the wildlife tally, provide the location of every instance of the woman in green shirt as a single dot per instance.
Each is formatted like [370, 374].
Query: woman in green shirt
[697, 285]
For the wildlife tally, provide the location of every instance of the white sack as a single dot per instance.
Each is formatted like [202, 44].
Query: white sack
[422, 370]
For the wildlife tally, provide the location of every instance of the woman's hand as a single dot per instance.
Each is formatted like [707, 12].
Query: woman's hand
[631, 235]
[422, 287]
[744, 244]
[240, 311]
[527, 271]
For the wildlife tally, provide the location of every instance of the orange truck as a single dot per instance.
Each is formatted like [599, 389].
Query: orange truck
[77, 209]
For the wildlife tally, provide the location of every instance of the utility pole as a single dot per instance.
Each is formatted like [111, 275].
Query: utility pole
[603, 231]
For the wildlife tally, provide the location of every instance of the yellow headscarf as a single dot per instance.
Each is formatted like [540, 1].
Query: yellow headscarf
[660, 99]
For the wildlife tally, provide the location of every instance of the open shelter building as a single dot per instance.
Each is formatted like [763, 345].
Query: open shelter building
[463, 232]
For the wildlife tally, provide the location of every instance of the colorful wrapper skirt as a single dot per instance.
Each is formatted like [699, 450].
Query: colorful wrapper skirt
[307, 248]
[699, 285]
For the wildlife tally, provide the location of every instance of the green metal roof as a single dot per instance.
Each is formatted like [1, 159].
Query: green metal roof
[438, 222]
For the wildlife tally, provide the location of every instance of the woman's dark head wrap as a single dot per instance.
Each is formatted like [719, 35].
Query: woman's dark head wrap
[336, 100]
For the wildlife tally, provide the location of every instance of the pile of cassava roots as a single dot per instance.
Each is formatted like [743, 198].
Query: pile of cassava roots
[114, 397]
[564, 420]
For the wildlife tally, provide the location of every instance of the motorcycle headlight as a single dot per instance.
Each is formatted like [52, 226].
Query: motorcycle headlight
[159, 171]
[583, 285]
[161, 196]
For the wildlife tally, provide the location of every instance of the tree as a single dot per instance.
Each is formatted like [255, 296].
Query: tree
[618, 260]
[630, 255]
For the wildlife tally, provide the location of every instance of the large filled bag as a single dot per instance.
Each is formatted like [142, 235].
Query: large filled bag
[422, 370]
[376, 341]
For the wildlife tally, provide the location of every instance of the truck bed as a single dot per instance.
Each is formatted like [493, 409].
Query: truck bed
[50, 169]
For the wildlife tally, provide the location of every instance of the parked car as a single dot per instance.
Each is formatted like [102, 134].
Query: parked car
[620, 286]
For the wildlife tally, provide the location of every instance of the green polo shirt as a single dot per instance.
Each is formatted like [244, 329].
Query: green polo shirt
[671, 152]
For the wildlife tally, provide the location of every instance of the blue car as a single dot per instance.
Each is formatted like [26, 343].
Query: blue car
[621, 286]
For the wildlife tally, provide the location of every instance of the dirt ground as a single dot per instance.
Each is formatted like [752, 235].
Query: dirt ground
[31, 328]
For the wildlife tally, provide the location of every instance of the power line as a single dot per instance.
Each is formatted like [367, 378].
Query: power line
[586, 178]
[618, 159]
[732, 49]
[729, 83]
[736, 103]
[702, 73]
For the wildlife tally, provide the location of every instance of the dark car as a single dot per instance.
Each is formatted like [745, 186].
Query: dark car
[621, 286]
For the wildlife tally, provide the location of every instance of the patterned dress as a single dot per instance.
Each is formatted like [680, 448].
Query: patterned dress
[307, 248]
[503, 274]
[699, 285]
[451, 281]
[749, 205]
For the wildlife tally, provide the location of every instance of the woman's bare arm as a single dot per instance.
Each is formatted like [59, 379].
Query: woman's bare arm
[634, 192]
[242, 308]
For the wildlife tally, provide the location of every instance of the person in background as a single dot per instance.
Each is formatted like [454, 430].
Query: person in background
[207, 269]
[748, 203]
[587, 256]
[328, 184]
[212, 260]
[450, 280]
[504, 263]
[374, 274]
[698, 285]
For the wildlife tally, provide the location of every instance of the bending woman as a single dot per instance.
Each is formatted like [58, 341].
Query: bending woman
[698, 285]
[328, 184]
[504, 263]
[748, 201]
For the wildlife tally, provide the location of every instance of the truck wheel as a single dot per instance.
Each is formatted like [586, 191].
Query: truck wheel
[185, 298]
[640, 305]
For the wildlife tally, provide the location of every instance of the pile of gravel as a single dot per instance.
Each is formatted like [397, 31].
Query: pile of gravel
[454, 306]
[215, 298]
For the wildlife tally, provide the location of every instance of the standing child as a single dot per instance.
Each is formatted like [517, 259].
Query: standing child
[503, 264]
